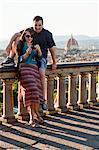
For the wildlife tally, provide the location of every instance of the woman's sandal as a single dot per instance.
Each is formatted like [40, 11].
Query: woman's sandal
[40, 120]
[33, 124]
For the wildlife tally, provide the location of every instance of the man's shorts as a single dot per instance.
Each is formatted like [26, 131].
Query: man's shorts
[43, 64]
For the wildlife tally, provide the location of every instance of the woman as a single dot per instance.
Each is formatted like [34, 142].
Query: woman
[30, 82]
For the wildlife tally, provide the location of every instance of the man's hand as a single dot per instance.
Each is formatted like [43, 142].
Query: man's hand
[53, 54]
[54, 66]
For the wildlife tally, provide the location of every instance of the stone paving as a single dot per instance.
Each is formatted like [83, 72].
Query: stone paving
[74, 130]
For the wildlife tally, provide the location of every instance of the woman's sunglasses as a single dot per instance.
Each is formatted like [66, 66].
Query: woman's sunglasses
[28, 36]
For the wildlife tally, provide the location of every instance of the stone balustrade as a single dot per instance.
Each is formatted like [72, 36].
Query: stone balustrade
[8, 76]
[70, 86]
[78, 80]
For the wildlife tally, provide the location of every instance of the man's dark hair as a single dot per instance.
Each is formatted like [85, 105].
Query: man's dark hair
[37, 18]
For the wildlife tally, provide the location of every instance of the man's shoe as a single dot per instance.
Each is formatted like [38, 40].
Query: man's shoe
[8, 62]
[44, 106]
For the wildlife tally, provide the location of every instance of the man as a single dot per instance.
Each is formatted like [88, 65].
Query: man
[42, 37]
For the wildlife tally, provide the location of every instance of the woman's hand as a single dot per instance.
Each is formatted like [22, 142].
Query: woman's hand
[38, 49]
[29, 50]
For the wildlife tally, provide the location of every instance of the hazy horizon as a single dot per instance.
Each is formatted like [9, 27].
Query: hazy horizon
[60, 40]
[69, 35]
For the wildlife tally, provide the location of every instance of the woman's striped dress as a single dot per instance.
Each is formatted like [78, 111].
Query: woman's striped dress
[30, 84]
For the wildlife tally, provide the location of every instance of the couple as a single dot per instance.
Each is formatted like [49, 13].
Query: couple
[32, 79]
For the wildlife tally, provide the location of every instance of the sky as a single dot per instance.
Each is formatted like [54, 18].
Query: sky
[61, 17]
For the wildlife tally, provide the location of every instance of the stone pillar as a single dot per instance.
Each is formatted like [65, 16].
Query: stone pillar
[72, 92]
[22, 111]
[8, 114]
[61, 95]
[92, 88]
[82, 97]
[50, 92]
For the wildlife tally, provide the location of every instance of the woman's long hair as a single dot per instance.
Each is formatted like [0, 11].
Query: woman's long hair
[20, 43]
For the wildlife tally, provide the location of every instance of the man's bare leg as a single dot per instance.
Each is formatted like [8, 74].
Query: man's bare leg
[11, 51]
[42, 74]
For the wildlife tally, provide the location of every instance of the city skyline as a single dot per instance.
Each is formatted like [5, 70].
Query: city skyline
[63, 17]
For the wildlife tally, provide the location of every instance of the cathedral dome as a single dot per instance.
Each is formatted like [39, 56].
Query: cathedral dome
[71, 44]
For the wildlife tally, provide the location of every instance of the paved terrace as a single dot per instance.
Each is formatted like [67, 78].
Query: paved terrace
[74, 130]
[72, 125]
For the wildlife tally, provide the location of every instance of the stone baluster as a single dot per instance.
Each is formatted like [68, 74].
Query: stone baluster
[72, 92]
[92, 88]
[61, 95]
[50, 92]
[82, 97]
[22, 111]
[8, 114]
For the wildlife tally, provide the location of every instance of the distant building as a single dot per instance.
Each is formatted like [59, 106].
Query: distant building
[71, 44]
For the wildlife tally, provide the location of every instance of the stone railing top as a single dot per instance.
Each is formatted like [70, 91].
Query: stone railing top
[74, 64]
[11, 72]
[8, 72]
[8, 69]
[59, 66]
